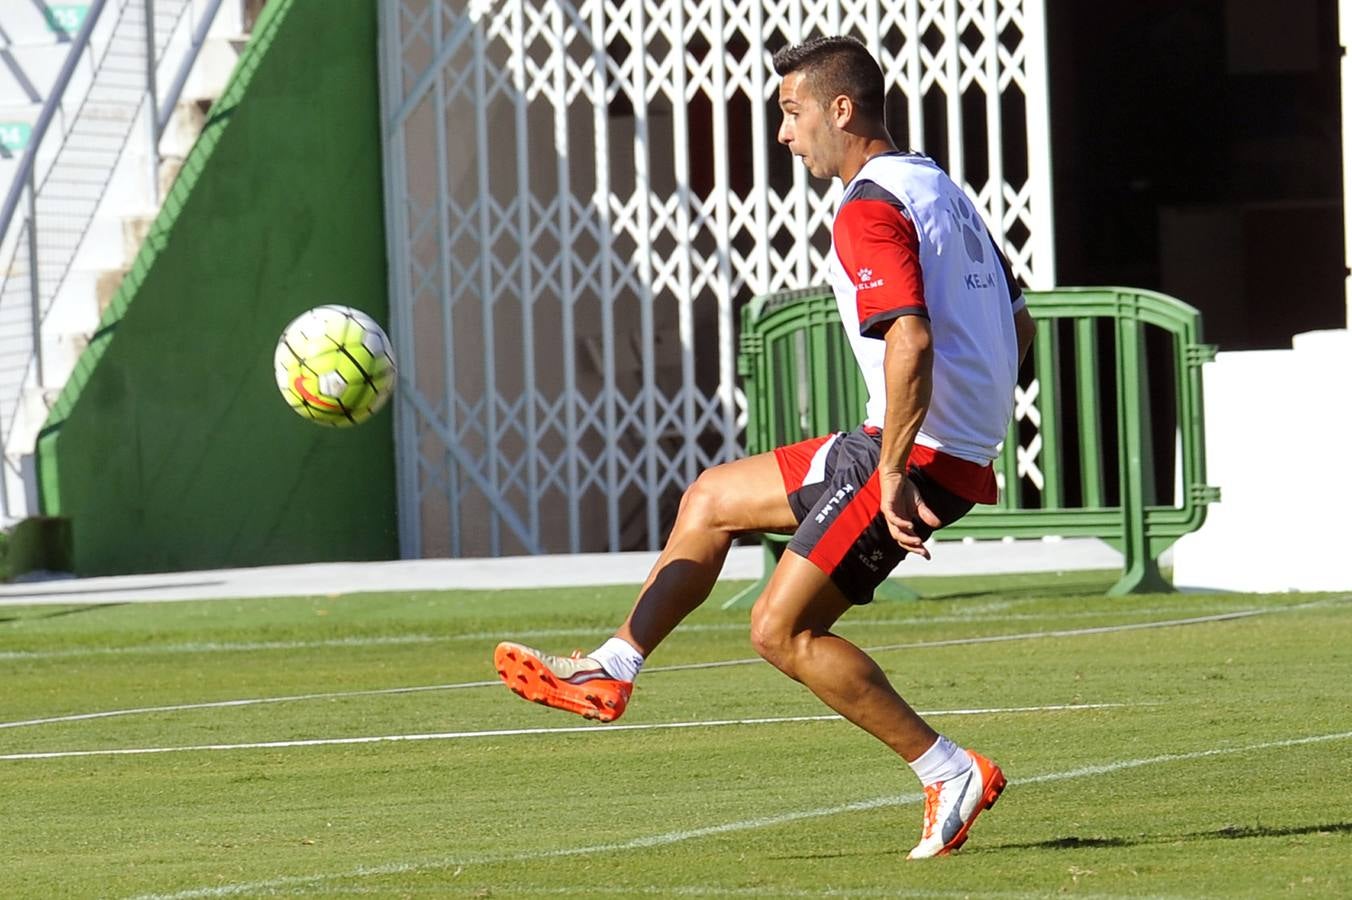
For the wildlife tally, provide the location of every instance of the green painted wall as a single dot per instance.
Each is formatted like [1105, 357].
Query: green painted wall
[171, 449]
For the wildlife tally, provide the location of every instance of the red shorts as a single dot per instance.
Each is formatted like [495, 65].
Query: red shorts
[832, 486]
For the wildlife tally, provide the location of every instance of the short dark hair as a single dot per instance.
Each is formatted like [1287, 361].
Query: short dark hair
[833, 66]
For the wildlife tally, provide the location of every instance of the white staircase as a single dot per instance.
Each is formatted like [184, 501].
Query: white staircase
[113, 142]
[33, 46]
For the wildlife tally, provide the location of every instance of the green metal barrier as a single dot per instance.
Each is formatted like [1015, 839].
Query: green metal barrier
[1079, 457]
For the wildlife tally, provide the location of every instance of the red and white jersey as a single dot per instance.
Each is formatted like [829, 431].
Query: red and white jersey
[907, 241]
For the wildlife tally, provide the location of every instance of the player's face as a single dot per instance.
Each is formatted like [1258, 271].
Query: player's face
[807, 129]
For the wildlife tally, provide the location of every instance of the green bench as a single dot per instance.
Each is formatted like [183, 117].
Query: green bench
[1079, 459]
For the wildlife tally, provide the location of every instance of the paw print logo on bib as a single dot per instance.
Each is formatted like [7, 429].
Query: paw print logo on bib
[965, 219]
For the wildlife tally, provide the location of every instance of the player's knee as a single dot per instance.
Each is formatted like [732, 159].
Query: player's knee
[774, 641]
[701, 500]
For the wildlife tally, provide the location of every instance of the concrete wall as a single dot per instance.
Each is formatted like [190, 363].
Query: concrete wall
[1278, 425]
[170, 447]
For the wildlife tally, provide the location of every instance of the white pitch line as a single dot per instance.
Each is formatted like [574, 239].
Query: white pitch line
[201, 647]
[392, 640]
[251, 701]
[675, 837]
[1001, 638]
[1076, 632]
[682, 667]
[517, 732]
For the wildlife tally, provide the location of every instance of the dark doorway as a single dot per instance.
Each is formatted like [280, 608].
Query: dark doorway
[1197, 151]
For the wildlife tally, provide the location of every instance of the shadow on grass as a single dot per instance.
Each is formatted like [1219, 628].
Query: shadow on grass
[1074, 842]
[1020, 585]
[12, 597]
[1229, 832]
[57, 613]
[1037, 592]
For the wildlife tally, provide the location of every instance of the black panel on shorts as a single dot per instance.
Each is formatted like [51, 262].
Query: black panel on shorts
[872, 556]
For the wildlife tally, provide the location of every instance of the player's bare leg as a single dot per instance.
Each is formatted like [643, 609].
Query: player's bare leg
[725, 501]
[791, 628]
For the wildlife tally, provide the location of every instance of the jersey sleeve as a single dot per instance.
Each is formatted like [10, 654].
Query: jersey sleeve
[877, 245]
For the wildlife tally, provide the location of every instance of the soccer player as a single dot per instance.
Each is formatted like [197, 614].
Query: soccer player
[938, 328]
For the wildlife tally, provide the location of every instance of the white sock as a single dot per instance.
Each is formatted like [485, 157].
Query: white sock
[620, 660]
[942, 761]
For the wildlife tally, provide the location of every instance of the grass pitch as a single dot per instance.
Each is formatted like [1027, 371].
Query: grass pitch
[362, 745]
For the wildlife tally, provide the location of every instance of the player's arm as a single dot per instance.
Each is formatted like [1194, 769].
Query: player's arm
[908, 366]
[1024, 329]
[877, 242]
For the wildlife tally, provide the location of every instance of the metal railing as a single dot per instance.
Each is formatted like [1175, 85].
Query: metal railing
[120, 50]
[1079, 458]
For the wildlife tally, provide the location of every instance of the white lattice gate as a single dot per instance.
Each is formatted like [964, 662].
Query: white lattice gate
[580, 196]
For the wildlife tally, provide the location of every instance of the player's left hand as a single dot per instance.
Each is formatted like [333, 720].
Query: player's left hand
[903, 509]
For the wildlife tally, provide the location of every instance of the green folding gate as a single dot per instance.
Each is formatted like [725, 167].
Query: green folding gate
[1079, 459]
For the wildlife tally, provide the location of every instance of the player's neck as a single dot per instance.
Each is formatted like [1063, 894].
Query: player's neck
[862, 153]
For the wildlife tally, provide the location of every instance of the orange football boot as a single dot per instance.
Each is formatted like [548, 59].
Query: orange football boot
[575, 683]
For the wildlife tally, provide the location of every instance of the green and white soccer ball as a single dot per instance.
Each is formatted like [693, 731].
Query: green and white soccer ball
[335, 365]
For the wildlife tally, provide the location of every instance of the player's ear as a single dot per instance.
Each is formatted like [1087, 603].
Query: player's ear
[841, 111]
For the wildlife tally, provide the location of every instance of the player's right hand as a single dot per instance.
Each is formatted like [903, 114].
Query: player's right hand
[904, 509]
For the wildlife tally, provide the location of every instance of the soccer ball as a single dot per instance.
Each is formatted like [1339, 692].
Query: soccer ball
[334, 365]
